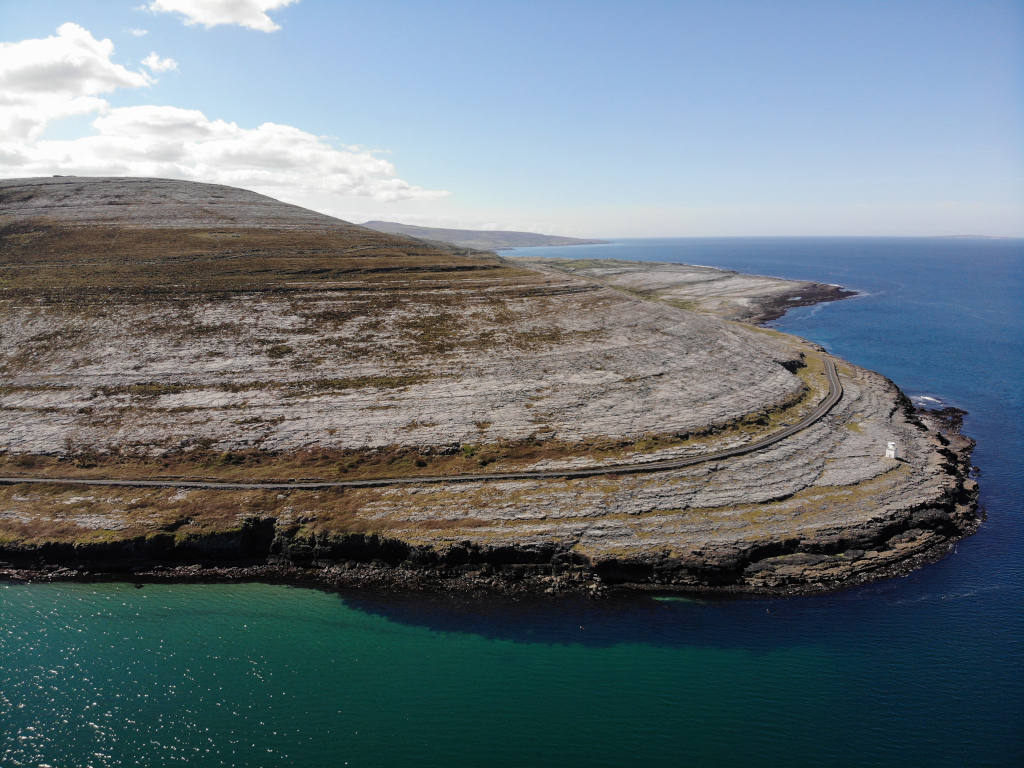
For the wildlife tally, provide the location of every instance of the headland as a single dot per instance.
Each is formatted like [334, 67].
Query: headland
[174, 334]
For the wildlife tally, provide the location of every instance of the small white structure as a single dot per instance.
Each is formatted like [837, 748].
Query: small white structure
[890, 450]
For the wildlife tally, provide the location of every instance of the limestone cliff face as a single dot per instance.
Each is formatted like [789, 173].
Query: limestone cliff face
[154, 328]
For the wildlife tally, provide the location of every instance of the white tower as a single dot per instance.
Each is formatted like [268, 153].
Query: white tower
[890, 450]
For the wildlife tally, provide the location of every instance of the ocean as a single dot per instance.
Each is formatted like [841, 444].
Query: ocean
[922, 670]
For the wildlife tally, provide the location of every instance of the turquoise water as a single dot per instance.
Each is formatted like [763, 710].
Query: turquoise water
[923, 670]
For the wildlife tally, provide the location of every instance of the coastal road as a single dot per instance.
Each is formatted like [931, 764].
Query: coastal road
[835, 393]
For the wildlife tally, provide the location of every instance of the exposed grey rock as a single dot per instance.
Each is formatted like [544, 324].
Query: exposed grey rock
[721, 292]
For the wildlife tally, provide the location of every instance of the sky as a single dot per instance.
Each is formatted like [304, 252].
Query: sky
[591, 118]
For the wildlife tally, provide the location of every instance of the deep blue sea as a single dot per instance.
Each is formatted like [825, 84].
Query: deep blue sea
[926, 670]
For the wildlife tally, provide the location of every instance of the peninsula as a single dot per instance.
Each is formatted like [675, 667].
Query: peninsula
[477, 239]
[201, 382]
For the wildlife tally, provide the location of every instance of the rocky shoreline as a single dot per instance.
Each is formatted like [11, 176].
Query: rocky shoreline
[261, 552]
[773, 307]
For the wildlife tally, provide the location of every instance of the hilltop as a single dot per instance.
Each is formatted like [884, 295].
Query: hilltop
[484, 240]
[183, 332]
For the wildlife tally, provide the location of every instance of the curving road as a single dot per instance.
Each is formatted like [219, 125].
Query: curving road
[835, 393]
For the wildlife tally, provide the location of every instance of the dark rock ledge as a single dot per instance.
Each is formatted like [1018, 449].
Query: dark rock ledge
[768, 308]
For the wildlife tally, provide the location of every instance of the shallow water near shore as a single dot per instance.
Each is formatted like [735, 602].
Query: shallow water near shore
[922, 670]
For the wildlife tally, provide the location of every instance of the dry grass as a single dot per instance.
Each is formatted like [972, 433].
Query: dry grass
[151, 262]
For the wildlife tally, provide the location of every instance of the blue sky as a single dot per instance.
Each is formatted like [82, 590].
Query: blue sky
[589, 118]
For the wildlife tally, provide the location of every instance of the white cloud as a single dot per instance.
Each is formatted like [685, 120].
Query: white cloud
[156, 64]
[139, 32]
[44, 80]
[210, 13]
[279, 160]
[57, 76]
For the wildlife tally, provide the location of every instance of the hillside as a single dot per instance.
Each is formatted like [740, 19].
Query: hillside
[483, 240]
[181, 332]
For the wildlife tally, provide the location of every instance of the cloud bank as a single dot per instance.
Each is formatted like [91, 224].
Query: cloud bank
[186, 144]
[44, 80]
[210, 13]
[57, 76]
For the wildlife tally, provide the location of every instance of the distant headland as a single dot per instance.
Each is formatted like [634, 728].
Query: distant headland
[479, 239]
